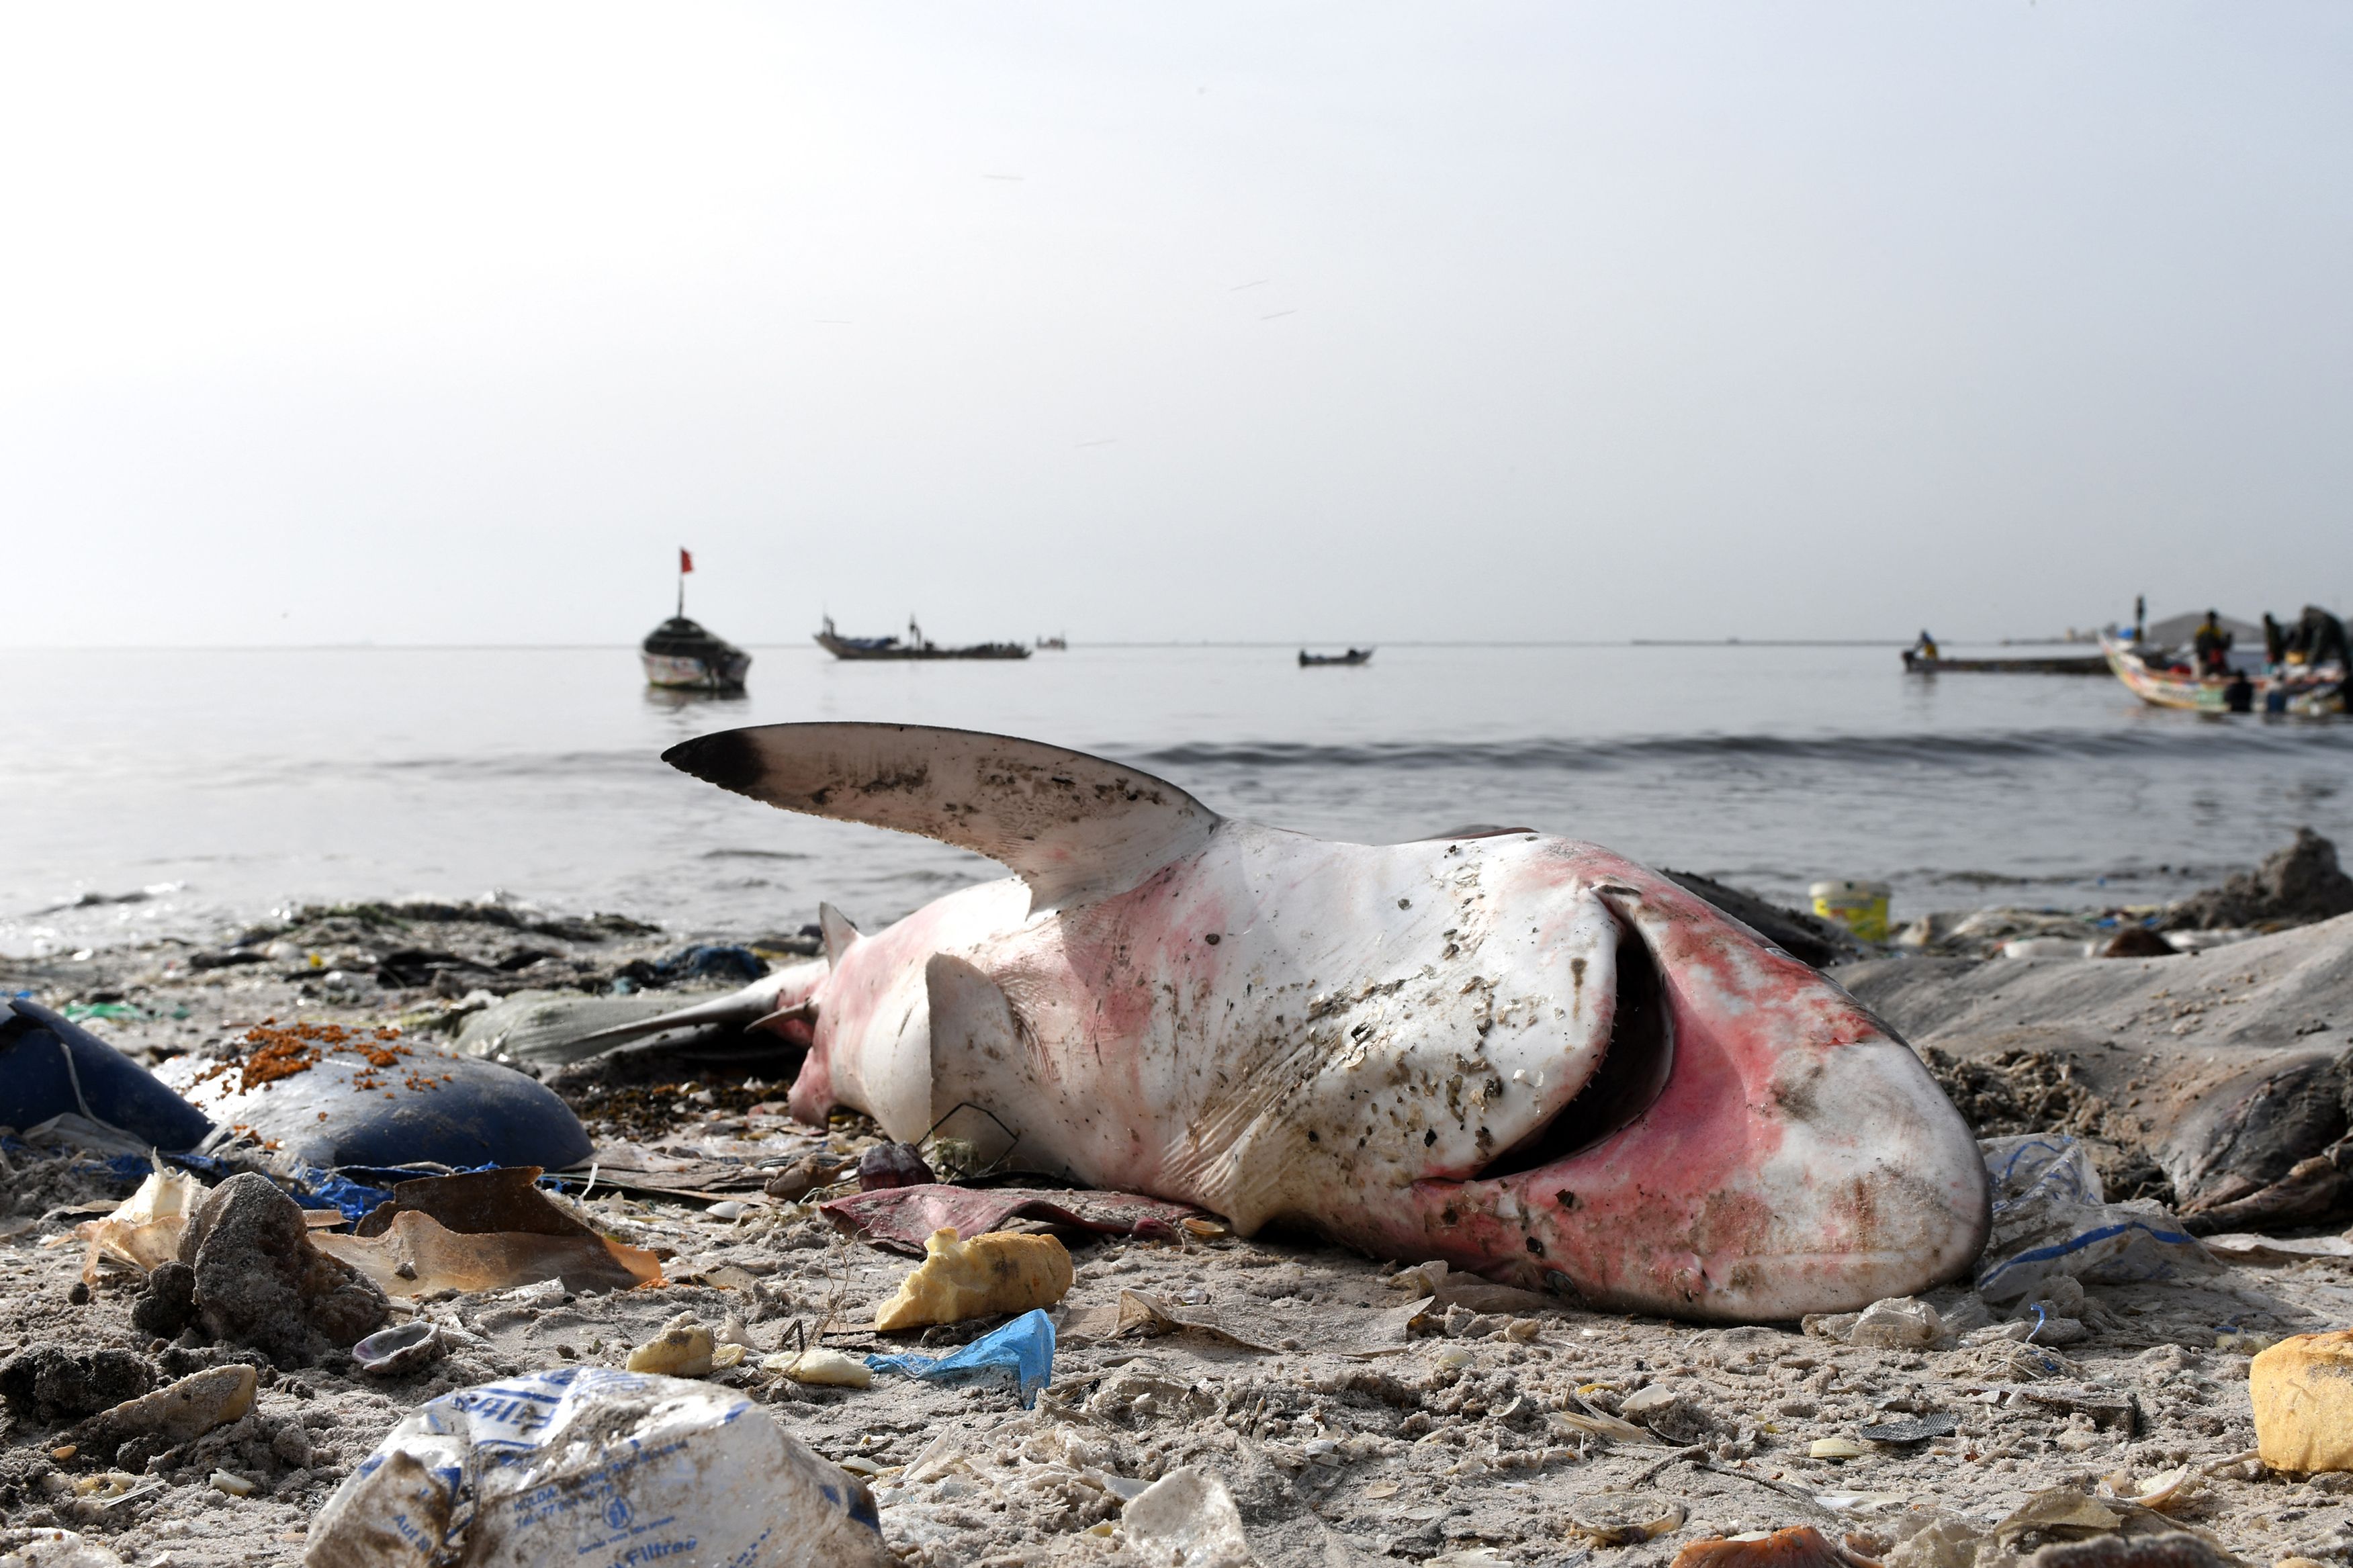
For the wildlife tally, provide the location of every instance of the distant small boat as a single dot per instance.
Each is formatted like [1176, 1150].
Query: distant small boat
[1354, 656]
[1056, 643]
[915, 646]
[683, 656]
[680, 655]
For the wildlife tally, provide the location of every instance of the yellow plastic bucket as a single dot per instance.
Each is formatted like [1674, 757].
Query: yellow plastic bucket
[1861, 907]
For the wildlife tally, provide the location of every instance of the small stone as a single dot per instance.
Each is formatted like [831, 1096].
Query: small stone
[79, 1293]
[230, 1482]
[168, 1304]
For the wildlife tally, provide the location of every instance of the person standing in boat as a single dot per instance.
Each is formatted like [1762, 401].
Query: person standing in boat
[2211, 646]
[1927, 646]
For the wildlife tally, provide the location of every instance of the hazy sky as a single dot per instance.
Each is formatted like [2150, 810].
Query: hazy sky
[426, 323]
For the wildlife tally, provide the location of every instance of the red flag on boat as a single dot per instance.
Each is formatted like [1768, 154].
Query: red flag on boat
[685, 560]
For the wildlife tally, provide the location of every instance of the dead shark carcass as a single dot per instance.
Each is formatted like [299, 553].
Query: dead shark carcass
[1520, 1054]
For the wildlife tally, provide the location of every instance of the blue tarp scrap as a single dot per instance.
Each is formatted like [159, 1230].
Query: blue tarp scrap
[1021, 1354]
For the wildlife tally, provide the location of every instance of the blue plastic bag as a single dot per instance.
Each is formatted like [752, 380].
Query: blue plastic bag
[1020, 1354]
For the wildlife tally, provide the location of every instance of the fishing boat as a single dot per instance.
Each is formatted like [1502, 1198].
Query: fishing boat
[1918, 663]
[915, 645]
[680, 655]
[2160, 677]
[1354, 656]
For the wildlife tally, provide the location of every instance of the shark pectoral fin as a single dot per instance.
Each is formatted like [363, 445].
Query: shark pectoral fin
[977, 1056]
[1070, 825]
[838, 932]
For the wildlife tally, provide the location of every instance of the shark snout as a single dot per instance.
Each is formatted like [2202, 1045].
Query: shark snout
[1794, 1157]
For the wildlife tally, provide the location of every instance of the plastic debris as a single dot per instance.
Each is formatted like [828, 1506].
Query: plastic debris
[823, 1366]
[902, 1219]
[51, 1067]
[1020, 1354]
[331, 1096]
[144, 1230]
[978, 1278]
[2050, 1217]
[258, 1280]
[2303, 1394]
[485, 1230]
[682, 1348]
[1139, 1314]
[1186, 1519]
[591, 1465]
[1943, 1424]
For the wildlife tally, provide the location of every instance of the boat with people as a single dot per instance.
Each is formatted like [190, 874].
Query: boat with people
[2168, 678]
[1354, 656]
[680, 655]
[915, 645]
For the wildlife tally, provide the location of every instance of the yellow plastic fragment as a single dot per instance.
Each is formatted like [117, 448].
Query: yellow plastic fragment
[2302, 1389]
[977, 1278]
[682, 1348]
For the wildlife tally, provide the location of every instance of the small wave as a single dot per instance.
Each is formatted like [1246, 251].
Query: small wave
[1885, 750]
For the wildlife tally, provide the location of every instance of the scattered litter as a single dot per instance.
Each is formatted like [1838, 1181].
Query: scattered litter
[553, 1467]
[485, 1230]
[178, 1412]
[1186, 1519]
[978, 1278]
[886, 1166]
[398, 1351]
[145, 1229]
[2159, 1491]
[2303, 1394]
[51, 1068]
[902, 1218]
[682, 1348]
[2244, 1247]
[1140, 1314]
[2050, 1218]
[1899, 1322]
[260, 1281]
[59, 1549]
[822, 1365]
[1022, 1353]
[1916, 1431]
[1627, 1521]
[232, 1483]
[1801, 1546]
[331, 1096]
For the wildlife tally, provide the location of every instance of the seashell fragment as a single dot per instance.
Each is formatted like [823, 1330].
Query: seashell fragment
[1624, 1521]
[1835, 1449]
[822, 1366]
[398, 1351]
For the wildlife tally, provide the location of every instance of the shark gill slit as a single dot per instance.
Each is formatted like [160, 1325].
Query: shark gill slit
[1635, 1063]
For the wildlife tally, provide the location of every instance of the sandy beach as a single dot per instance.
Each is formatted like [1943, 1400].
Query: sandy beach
[1350, 1426]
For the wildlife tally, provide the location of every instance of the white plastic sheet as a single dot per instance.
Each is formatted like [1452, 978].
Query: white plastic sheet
[595, 1469]
[2051, 1216]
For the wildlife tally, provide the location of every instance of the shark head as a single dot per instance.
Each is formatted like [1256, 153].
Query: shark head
[1713, 1129]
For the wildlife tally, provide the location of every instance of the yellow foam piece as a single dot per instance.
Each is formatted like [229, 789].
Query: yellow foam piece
[989, 1274]
[2303, 1393]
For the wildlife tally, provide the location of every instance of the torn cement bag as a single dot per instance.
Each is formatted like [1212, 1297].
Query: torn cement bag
[484, 1230]
[2051, 1216]
[593, 1466]
[902, 1219]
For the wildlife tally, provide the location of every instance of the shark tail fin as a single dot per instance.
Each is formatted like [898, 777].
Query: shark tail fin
[1071, 825]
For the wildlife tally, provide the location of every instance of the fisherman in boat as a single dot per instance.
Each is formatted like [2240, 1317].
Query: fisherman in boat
[2211, 646]
[2276, 637]
[1927, 646]
[2318, 639]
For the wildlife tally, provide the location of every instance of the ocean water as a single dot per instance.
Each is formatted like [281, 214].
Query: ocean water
[190, 792]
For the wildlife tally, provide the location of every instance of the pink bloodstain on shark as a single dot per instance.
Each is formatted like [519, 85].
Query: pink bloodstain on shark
[1520, 1054]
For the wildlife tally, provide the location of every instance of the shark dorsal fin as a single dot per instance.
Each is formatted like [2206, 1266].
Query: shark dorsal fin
[837, 930]
[1071, 825]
